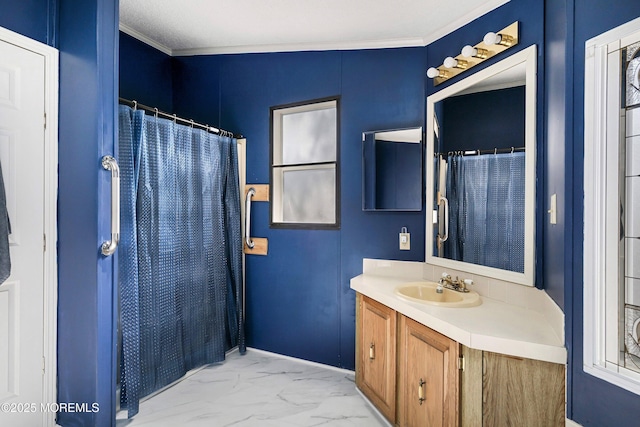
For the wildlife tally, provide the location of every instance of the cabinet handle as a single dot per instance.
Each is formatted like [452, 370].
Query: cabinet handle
[372, 351]
[421, 397]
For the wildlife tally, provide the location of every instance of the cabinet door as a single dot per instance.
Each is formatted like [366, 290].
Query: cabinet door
[522, 392]
[428, 388]
[376, 354]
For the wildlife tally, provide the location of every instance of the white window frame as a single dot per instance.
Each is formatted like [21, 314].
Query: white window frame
[276, 173]
[602, 136]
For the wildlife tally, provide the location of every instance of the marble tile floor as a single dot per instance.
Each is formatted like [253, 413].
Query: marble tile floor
[258, 389]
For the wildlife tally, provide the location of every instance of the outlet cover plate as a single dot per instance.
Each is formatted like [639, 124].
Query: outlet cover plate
[405, 241]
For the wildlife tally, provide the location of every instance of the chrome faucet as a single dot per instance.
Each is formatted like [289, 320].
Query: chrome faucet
[458, 285]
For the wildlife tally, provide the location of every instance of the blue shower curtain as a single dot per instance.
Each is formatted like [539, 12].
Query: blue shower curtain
[180, 255]
[486, 210]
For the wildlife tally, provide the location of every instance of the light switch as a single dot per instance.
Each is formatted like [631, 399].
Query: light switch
[553, 209]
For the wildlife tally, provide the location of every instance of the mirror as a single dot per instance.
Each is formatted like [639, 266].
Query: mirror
[392, 170]
[481, 142]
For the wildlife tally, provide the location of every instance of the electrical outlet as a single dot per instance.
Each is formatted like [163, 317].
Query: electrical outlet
[405, 241]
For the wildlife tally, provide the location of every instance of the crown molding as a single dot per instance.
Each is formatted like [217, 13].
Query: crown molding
[301, 47]
[144, 39]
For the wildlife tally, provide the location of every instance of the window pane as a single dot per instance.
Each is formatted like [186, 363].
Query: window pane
[631, 228]
[632, 61]
[309, 196]
[309, 137]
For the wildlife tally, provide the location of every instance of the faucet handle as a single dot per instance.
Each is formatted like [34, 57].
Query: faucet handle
[446, 275]
[465, 283]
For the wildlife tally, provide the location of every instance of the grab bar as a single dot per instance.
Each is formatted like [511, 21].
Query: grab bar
[247, 218]
[109, 247]
[444, 238]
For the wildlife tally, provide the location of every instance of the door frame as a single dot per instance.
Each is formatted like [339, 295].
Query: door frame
[50, 279]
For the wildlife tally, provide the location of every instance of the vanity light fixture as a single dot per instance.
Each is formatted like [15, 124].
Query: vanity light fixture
[501, 39]
[474, 52]
[450, 62]
[433, 72]
[491, 45]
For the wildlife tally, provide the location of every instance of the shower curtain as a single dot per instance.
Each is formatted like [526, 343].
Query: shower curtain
[180, 254]
[486, 210]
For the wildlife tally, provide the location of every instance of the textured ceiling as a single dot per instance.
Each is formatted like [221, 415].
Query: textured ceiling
[188, 27]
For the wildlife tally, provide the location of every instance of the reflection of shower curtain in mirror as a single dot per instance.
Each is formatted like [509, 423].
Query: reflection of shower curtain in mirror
[180, 256]
[486, 210]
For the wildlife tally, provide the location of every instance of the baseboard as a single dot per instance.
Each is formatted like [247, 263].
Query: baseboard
[306, 362]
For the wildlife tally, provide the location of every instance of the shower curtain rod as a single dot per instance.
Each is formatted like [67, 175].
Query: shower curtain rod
[480, 152]
[136, 105]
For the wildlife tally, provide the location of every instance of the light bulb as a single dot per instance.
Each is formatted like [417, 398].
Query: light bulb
[492, 38]
[432, 73]
[469, 51]
[450, 62]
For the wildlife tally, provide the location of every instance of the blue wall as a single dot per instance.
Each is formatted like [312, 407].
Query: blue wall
[145, 74]
[36, 19]
[88, 77]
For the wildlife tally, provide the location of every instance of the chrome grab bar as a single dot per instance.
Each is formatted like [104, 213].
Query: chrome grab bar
[444, 238]
[247, 218]
[109, 247]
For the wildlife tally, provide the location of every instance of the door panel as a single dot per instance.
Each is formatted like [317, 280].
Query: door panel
[22, 133]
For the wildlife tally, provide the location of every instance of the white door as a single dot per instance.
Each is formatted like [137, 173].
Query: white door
[22, 136]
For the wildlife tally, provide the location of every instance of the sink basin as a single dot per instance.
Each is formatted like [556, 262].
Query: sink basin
[425, 292]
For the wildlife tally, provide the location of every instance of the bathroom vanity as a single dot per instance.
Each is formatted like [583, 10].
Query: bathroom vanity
[425, 365]
[495, 356]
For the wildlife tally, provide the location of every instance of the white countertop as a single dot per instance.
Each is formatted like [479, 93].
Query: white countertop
[492, 326]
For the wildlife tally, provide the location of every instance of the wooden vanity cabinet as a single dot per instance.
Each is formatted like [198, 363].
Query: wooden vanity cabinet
[427, 376]
[376, 354]
[416, 377]
[501, 390]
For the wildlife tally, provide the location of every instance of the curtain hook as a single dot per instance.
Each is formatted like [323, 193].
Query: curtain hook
[156, 114]
[175, 119]
[512, 150]
[191, 123]
[135, 105]
[495, 150]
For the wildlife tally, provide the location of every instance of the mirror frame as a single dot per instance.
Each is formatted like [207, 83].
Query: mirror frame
[527, 56]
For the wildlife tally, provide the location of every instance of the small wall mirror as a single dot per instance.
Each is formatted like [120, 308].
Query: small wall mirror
[392, 170]
[481, 140]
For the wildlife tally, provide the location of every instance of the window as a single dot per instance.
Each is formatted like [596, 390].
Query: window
[305, 165]
[612, 207]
